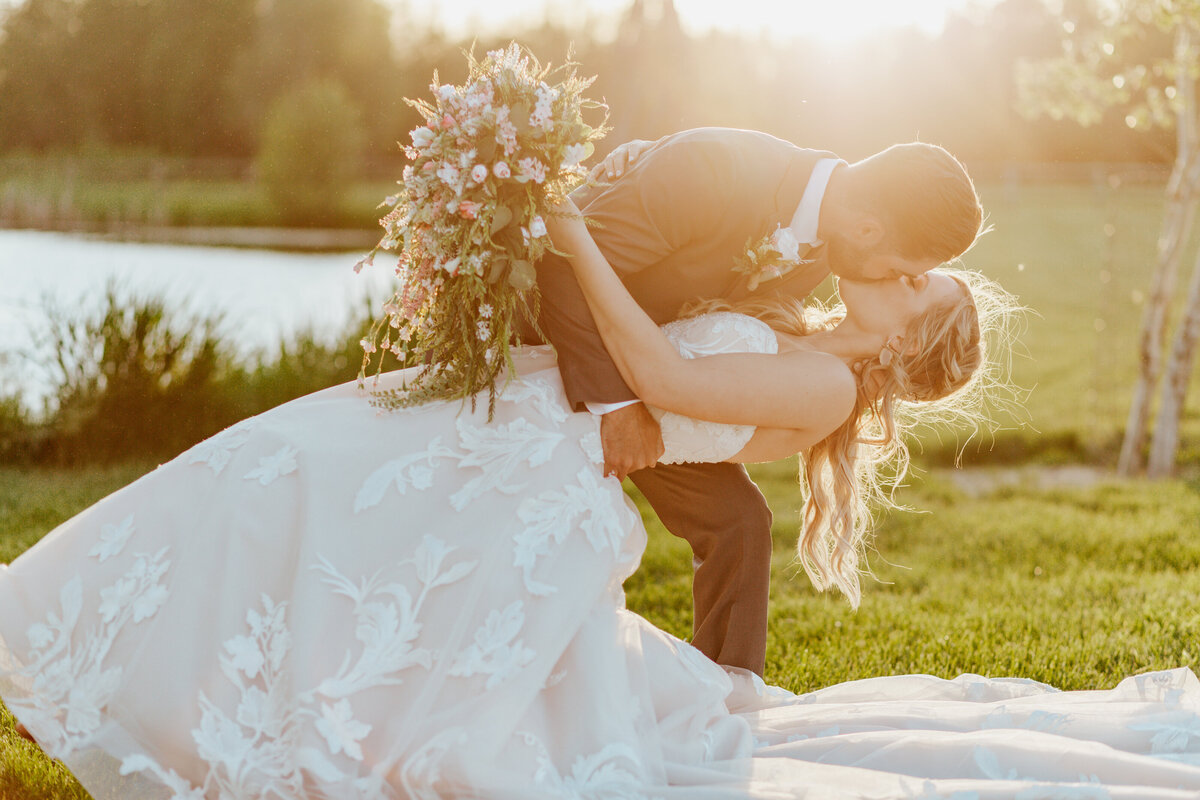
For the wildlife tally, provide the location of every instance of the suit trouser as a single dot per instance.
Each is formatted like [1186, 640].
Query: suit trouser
[724, 517]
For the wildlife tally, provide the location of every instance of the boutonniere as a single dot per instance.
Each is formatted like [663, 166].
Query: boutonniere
[772, 256]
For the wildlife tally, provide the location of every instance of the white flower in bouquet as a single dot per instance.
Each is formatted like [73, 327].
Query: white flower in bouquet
[422, 136]
[449, 175]
[574, 154]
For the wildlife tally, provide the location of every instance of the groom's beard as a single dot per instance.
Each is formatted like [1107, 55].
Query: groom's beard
[845, 260]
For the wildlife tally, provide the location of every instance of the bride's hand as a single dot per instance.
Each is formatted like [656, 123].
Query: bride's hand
[619, 160]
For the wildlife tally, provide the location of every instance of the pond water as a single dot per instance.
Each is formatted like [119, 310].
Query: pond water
[263, 296]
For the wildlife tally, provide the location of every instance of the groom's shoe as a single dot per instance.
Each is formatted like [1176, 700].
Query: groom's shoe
[24, 733]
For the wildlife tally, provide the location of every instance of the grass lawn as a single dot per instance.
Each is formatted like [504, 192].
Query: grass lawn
[1081, 257]
[1077, 588]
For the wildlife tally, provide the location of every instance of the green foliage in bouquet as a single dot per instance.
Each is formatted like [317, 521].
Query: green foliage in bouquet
[495, 155]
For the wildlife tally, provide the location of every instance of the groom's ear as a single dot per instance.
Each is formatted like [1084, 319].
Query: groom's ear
[869, 231]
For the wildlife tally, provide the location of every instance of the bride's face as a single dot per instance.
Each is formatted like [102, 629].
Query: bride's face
[886, 307]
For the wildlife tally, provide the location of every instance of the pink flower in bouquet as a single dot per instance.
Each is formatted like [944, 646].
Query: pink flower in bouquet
[468, 210]
[448, 122]
[479, 173]
[365, 261]
[501, 170]
[542, 116]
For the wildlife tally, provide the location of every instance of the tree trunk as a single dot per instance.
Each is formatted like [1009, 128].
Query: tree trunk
[1175, 384]
[1173, 236]
[1177, 223]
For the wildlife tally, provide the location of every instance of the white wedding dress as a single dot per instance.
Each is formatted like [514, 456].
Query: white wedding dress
[328, 602]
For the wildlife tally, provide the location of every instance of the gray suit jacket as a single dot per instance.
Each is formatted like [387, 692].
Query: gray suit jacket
[672, 227]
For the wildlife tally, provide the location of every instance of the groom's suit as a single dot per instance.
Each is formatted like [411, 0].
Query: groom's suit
[672, 227]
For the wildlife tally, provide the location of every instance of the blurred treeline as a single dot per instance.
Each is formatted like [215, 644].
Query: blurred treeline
[205, 78]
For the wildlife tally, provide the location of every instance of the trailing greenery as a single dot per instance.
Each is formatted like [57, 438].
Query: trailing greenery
[1078, 588]
[489, 166]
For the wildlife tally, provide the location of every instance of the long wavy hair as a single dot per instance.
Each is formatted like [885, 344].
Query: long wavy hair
[952, 363]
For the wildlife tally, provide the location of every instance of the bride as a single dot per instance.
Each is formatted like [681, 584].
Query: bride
[325, 602]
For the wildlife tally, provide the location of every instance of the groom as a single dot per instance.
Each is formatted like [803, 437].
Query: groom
[672, 226]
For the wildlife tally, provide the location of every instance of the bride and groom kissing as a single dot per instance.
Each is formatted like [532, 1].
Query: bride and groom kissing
[323, 601]
[671, 220]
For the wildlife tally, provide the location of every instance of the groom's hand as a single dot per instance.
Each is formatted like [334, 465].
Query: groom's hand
[631, 439]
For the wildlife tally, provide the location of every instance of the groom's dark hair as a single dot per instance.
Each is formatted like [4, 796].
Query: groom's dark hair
[928, 201]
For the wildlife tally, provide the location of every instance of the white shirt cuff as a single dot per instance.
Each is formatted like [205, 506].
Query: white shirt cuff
[600, 409]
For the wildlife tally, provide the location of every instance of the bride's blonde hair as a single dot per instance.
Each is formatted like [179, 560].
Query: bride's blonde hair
[951, 360]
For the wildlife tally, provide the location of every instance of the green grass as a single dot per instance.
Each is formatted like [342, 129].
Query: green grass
[25, 771]
[1086, 286]
[1078, 588]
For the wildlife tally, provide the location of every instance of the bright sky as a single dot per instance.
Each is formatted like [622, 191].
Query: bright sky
[831, 20]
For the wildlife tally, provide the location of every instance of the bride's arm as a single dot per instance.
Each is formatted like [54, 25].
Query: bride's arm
[801, 391]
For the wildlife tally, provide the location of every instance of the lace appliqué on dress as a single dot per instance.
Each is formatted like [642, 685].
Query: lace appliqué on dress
[691, 440]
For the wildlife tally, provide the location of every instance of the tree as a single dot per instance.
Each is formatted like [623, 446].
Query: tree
[311, 148]
[1154, 89]
[299, 41]
[185, 69]
[40, 103]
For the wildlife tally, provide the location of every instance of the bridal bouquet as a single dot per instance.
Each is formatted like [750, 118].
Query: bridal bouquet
[493, 157]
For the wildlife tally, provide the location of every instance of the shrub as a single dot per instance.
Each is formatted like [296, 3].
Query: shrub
[132, 378]
[310, 149]
[135, 379]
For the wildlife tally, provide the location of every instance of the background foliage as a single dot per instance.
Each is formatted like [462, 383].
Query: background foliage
[198, 77]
